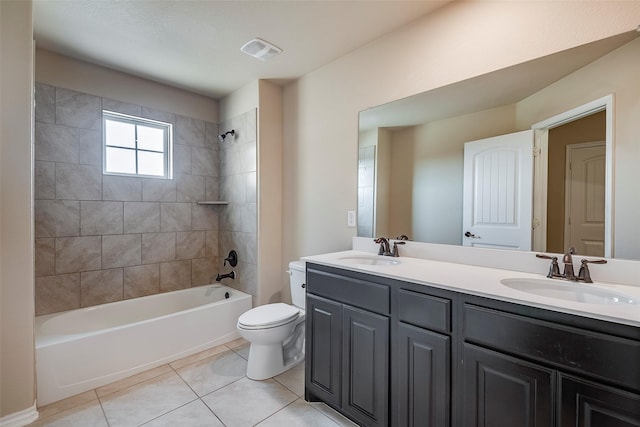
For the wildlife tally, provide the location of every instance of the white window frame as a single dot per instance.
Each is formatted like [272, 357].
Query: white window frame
[167, 129]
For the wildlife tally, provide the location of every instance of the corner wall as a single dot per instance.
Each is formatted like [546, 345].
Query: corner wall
[17, 356]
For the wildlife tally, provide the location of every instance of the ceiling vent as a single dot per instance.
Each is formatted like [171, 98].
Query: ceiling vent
[260, 49]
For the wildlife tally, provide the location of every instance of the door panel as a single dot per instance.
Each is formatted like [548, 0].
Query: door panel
[498, 191]
[500, 390]
[585, 188]
[365, 379]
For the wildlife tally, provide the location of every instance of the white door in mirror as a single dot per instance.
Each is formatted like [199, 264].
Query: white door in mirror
[498, 182]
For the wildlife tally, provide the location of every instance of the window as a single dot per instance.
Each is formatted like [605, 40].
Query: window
[136, 146]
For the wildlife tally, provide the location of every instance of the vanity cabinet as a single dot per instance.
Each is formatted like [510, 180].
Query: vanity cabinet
[421, 360]
[533, 367]
[347, 345]
[390, 352]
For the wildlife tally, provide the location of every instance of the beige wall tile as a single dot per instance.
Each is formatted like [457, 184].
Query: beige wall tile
[158, 190]
[56, 143]
[99, 218]
[45, 251]
[141, 217]
[204, 162]
[78, 182]
[78, 109]
[121, 250]
[45, 97]
[211, 135]
[203, 271]
[190, 244]
[100, 287]
[175, 275]
[204, 217]
[45, 180]
[189, 131]
[211, 184]
[211, 244]
[57, 293]
[181, 159]
[141, 280]
[57, 218]
[123, 188]
[175, 216]
[90, 147]
[75, 254]
[158, 247]
[190, 188]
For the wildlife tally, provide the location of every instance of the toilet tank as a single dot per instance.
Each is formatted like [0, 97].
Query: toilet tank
[297, 278]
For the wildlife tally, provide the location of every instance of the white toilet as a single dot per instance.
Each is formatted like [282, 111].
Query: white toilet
[276, 331]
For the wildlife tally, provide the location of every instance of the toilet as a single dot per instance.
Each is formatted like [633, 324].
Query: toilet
[276, 331]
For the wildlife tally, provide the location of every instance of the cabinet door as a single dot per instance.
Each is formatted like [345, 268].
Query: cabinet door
[585, 404]
[423, 391]
[365, 366]
[500, 390]
[323, 349]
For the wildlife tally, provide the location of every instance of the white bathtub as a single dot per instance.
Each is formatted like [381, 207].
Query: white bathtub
[82, 349]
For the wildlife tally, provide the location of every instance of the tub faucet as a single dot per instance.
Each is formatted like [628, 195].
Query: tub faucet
[231, 275]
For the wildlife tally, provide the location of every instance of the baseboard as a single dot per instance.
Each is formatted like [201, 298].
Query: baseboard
[19, 419]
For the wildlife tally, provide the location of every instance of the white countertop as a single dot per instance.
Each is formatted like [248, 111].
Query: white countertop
[485, 282]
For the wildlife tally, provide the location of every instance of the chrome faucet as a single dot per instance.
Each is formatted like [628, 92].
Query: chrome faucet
[568, 274]
[384, 246]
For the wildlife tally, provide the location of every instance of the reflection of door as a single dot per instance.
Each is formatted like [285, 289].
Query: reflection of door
[585, 183]
[498, 180]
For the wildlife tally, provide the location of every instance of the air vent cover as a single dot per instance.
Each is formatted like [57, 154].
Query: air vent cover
[260, 49]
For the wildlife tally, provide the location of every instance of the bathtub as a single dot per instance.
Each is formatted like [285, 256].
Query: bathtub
[82, 349]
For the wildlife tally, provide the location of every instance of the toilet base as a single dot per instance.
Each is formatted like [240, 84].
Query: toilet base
[268, 360]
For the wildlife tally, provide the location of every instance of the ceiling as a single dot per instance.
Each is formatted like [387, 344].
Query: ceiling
[195, 45]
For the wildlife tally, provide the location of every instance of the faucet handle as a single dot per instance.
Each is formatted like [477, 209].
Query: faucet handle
[395, 248]
[584, 274]
[554, 269]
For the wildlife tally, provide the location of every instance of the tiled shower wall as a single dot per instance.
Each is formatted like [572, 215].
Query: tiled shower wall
[238, 185]
[102, 238]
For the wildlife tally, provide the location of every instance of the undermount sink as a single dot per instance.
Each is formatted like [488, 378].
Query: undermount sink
[569, 291]
[370, 260]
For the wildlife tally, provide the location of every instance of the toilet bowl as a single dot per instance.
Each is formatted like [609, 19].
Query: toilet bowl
[276, 331]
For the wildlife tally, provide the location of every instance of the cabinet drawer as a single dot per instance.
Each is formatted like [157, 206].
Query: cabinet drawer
[425, 311]
[582, 351]
[356, 292]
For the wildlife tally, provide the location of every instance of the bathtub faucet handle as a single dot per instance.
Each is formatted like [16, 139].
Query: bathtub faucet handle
[232, 258]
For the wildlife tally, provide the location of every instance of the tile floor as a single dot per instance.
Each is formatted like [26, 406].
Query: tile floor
[206, 389]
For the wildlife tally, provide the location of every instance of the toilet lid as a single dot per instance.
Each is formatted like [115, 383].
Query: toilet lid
[269, 316]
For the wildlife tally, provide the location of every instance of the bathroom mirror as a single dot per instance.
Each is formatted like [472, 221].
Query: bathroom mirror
[410, 166]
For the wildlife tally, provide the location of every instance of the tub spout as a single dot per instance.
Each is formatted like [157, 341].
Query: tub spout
[231, 275]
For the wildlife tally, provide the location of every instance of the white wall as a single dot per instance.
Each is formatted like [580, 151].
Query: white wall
[17, 381]
[63, 71]
[457, 42]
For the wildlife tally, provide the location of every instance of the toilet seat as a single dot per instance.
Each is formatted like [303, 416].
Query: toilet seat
[268, 316]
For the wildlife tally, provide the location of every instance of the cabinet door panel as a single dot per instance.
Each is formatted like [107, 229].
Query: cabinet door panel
[323, 347]
[585, 404]
[365, 379]
[500, 390]
[423, 398]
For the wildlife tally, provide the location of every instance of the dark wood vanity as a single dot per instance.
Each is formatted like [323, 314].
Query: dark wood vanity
[386, 352]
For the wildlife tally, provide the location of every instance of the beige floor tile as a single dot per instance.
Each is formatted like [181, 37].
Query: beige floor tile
[146, 401]
[194, 414]
[133, 380]
[298, 414]
[246, 402]
[293, 379]
[68, 403]
[243, 350]
[236, 343]
[214, 372]
[198, 356]
[86, 414]
[337, 417]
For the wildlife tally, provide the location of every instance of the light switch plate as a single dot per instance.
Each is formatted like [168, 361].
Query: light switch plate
[351, 218]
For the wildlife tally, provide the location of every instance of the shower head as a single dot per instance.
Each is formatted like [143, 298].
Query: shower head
[223, 136]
